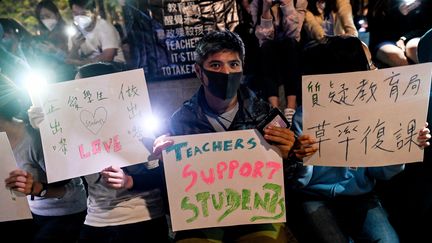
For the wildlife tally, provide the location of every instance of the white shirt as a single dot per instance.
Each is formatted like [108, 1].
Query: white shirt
[103, 36]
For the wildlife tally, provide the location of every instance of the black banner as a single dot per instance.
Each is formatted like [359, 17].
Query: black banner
[162, 35]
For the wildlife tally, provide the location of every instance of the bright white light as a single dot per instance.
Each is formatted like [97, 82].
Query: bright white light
[151, 123]
[35, 84]
[409, 2]
[71, 30]
[361, 21]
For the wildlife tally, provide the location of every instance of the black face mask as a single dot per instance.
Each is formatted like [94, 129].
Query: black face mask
[223, 85]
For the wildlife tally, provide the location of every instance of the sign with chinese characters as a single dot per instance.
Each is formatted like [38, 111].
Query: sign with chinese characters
[95, 122]
[14, 205]
[164, 34]
[222, 179]
[369, 118]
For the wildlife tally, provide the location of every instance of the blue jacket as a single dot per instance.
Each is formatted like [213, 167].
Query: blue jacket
[336, 181]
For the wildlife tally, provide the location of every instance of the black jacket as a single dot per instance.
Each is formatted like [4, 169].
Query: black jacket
[190, 118]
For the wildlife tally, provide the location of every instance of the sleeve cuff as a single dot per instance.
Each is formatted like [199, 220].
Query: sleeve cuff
[287, 9]
[266, 23]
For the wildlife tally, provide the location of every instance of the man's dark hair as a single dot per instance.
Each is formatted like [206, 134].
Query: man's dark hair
[100, 68]
[217, 41]
[87, 4]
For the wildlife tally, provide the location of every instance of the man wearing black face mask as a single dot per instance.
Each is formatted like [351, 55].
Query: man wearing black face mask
[223, 104]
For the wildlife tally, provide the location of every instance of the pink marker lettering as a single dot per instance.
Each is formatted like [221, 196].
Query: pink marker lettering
[246, 169]
[221, 168]
[117, 145]
[257, 170]
[233, 164]
[107, 145]
[211, 177]
[186, 173]
[82, 154]
[275, 168]
[96, 146]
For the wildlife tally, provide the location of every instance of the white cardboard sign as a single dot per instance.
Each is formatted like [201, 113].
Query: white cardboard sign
[95, 122]
[14, 205]
[369, 118]
[222, 179]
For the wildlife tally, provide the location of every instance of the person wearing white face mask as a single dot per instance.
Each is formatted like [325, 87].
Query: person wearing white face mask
[51, 45]
[51, 25]
[96, 39]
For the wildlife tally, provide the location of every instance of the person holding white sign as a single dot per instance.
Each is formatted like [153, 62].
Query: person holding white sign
[58, 209]
[222, 104]
[338, 204]
[124, 204]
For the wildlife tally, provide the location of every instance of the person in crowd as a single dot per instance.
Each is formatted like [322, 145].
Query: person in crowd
[278, 27]
[58, 208]
[52, 43]
[96, 39]
[222, 104]
[339, 204]
[328, 18]
[52, 26]
[124, 204]
[14, 41]
[395, 29]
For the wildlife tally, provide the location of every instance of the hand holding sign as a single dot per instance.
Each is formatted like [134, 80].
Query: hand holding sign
[20, 181]
[160, 143]
[282, 137]
[424, 136]
[116, 178]
[90, 124]
[225, 178]
[36, 116]
[13, 206]
[306, 146]
[368, 118]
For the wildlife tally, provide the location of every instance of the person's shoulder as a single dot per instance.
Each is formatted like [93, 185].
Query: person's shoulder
[246, 92]
[187, 114]
[102, 24]
[248, 95]
[187, 109]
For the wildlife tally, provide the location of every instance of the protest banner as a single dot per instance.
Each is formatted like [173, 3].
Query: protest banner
[94, 123]
[163, 35]
[14, 205]
[369, 118]
[222, 179]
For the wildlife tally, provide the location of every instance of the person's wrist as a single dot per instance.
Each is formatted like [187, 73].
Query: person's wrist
[41, 189]
[32, 188]
[129, 182]
[38, 189]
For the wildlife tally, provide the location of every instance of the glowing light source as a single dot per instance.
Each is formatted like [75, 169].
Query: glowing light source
[71, 30]
[409, 2]
[151, 124]
[35, 84]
